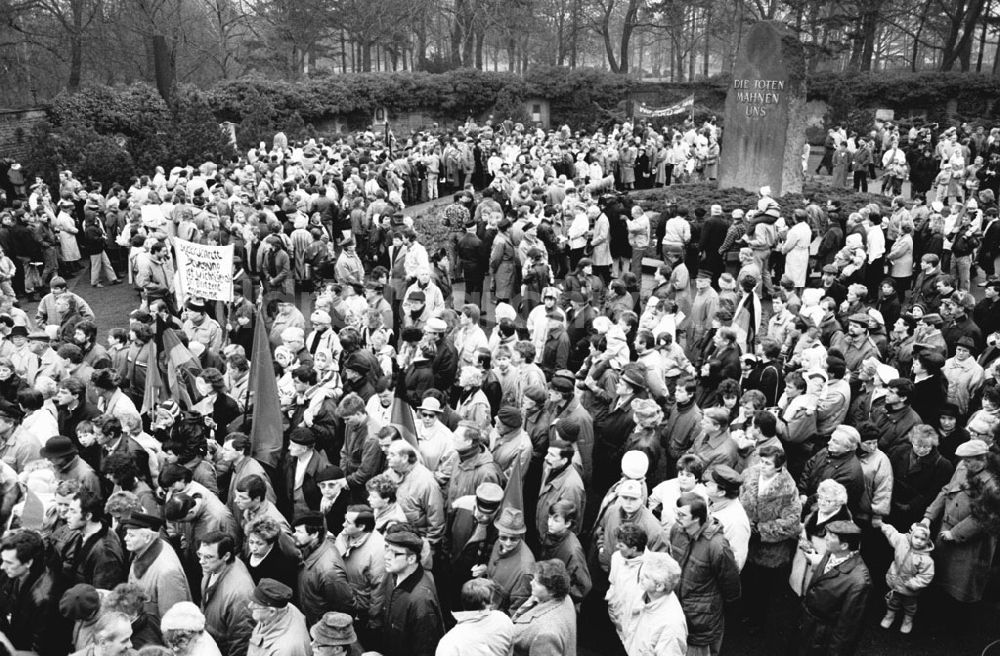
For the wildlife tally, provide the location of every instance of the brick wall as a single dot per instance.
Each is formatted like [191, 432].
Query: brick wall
[16, 126]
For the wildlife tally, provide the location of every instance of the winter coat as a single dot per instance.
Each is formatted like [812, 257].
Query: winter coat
[322, 584]
[29, 614]
[411, 620]
[546, 629]
[503, 265]
[963, 564]
[227, 618]
[916, 482]
[912, 569]
[511, 572]
[833, 608]
[894, 427]
[566, 486]
[419, 496]
[159, 574]
[568, 549]
[365, 567]
[657, 628]
[709, 579]
[605, 536]
[585, 443]
[310, 488]
[286, 635]
[878, 484]
[478, 633]
[470, 474]
[97, 560]
[774, 517]
[360, 458]
[901, 258]
[845, 468]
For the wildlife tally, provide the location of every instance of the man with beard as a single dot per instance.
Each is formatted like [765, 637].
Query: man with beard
[322, 582]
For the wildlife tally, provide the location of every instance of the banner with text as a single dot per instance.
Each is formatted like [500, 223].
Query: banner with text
[659, 112]
[205, 271]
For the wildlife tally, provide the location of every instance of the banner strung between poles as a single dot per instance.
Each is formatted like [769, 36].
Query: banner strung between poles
[681, 107]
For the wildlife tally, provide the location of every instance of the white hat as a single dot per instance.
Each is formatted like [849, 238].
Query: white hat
[183, 616]
[885, 372]
[505, 311]
[877, 316]
[293, 334]
[972, 448]
[635, 464]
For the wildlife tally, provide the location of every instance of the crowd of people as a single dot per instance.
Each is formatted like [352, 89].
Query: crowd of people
[490, 443]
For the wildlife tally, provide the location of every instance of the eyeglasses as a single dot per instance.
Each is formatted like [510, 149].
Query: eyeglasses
[428, 415]
[396, 554]
[509, 538]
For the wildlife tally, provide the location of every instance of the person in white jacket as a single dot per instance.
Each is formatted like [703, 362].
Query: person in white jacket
[657, 626]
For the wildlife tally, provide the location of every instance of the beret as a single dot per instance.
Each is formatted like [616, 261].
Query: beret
[563, 381]
[509, 416]
[331, 473]
[80, 602]
[536, 394]
[271, 593]
[829, 268]
[859, 317]
[311, 519]
[568, 429]
[416, 296]
[303, 435]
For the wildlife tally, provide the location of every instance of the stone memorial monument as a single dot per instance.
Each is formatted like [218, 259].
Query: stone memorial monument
[764, 133]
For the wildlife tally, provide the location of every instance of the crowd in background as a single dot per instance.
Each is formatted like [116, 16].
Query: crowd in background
[503, 441]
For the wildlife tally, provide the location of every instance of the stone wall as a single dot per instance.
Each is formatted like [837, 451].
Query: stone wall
[16, 126]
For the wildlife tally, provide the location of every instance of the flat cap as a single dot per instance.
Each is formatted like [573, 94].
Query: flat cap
[271, 593]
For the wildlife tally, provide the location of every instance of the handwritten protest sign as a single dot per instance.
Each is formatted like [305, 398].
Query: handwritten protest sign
[205, 271]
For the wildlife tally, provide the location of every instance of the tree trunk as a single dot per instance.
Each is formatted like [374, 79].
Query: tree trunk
[982, 38]
[959, 48]
[343, 52]
[574, 29]
[163, 68]
[456, 33]
[511, 52]
[480, 37]
[708, 23]
[869, 28]
[916, 37]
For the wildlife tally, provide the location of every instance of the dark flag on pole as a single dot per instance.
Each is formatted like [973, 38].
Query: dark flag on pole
[265, 423]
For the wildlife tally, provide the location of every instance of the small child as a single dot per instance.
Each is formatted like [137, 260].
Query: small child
[560, 542]
[911, 571]
[7, 271]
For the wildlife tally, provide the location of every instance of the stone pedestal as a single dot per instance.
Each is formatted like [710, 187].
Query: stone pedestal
[764, 133]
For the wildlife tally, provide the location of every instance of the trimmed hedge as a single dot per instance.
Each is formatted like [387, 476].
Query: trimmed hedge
[704, 195]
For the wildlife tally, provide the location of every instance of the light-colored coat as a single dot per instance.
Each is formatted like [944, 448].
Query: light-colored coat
[964, 562]
[161, 577]
[286, 635]
[912, 570]
[478, 633]
[547, 629]
[365, 567]
[657, 628]
[901, 257]
[227, 618]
